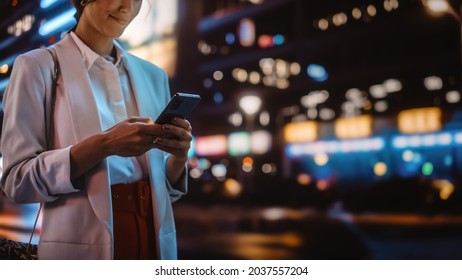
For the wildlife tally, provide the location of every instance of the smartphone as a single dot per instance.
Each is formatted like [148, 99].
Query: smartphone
[181, 105]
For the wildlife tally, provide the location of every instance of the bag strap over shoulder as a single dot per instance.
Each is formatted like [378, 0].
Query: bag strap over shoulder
[51, 122]
[50, 125]
[54, 77]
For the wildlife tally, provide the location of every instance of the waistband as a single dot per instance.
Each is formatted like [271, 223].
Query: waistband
[133, 197]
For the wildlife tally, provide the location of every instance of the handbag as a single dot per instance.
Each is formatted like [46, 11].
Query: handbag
[15, 250]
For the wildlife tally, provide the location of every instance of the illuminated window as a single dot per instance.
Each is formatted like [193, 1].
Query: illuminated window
[300, 132]
[419, 120]
[354, 127]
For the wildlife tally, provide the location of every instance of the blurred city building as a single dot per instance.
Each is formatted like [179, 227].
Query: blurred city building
[326, 130]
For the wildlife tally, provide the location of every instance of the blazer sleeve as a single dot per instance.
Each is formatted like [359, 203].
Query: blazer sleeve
[31, 174]
[181, 187]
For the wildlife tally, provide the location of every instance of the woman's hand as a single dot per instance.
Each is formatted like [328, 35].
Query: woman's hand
[176, 139]
[132, 137]
[177, 142]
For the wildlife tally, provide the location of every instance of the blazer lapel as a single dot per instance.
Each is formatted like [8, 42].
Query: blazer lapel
[150, 102]
[85, 122]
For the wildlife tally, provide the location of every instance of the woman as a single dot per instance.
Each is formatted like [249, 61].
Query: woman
[108, 183]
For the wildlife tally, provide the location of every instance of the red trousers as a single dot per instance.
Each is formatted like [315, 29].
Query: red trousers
[134, 235]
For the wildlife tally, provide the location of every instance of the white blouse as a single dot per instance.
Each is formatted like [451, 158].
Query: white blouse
[116, 102]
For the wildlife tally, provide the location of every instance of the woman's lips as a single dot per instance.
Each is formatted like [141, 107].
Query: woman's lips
[119, 20]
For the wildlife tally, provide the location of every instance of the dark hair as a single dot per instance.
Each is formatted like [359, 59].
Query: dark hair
[79, 6]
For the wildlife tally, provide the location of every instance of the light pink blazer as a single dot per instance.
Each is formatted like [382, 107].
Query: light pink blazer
[77, 224]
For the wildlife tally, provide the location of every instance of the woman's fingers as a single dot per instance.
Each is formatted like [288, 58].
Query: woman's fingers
[180, 129]
[136, 135]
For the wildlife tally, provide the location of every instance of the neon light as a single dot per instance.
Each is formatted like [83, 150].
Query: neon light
[44, 4]
[60, 22]
[458, 137]
[429, 140]
[211, 145]
[317, 72]
[239, 143]
[399, 142]
[426, 140]
[279, 39]
[427, 168]
[444, 139]
[335, 146]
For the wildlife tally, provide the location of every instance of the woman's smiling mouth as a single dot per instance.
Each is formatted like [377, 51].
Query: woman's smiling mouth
[119, 20]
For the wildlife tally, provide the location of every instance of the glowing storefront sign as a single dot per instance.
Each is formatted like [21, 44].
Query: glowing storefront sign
[425, 140]
[211, 145]
[301, 132]
[239, 143]
[419, 120]
[354, 127]
[335, 147]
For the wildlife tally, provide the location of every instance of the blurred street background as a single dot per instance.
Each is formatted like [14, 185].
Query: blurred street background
[326, 130]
